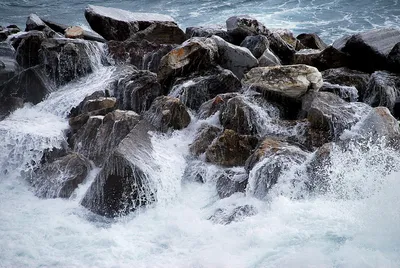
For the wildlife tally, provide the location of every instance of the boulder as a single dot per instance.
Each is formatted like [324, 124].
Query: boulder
[99, 104]
[318, 169]
[239, 27]
[383, 89]
[100, 135]
[292, 81]
[195, 54]
[124, 183]
[6, 32]
[268, 59]
[349, 94]
[227, 216]
[394, 58]
[208, 31]
[34, 23]
[328, 58]
[257, 44]
[230, 149]
[369, 50]
[280, 48]
[74, 32]
[27, 48]
[167, 113]
[311, 40]
[8, 65]
[61, 176]
[118, 24]
[231, 181]
[201, 86]
[268, 164]
[77, 110]
[137, 91]
[161, 33]
[237, 59]
[210, 107]
[347, 77]
[289, 38]
[204, 137]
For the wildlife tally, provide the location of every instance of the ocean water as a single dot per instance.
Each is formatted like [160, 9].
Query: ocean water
[329, 18]
[354, 224]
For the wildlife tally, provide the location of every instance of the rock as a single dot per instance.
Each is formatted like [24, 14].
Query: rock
[347, 77]
[124, 184]
[199, 171]
[231, 181]
[208, 31]
[142, 54]
[167, 112]
[394, 58]
[349, 94]
[65, 59]
[318, 169]
[322, 60]
[257, 44]
[306, 56]
[61, 177]
[161, 33]
[237, 59]
[204, 137]
[201, 86]
[230, 149]
[289, 38]
[27, 51]
[118, 24]
[268, 59]
[241, 26]
[99, 104]
[236, 114]
[330, 114]
[224, 216]
[311, 40]
[75, 111]
[369, 50]
[6, 32]
[34, 23]
[8, 65]
[31, 85]
[195, 54]
[383, 89]
[291, 81]
[100, 135]
[271, 160]
[280, 48]
[74, 32]
[137, 91]
[210, 107]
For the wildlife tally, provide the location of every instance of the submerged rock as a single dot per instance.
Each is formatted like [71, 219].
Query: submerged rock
[225, 216]
[231, 181]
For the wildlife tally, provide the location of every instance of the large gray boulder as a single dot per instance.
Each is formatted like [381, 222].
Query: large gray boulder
[124, 183]
[257, 44]
[237, 59]
[208, 31]
[268, 58]
[239, 27]
[27, 48]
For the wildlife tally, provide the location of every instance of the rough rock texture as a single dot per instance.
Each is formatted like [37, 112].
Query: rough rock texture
[123, 184]
[231, 149]
[27, 47]
[201, 86]
[349, 94]
[61, 176]
[197, 53]
[235, 58]
[268, 59]
[210, 107]
[328, 58]
[77, 110]
[99, 104]
[317, 168]
[311, 40]
[257, 44]
[168, 113]
[291, 81]
[8, 65]
[280, 48]
[137, 91]
[227, 216]
[208, 31]
[161, 33]
[204, 137]
[6, 32]
[118, 24]
[34, 23]
[383, 89]
[241, 26]
[394, 58]
[74, 32]
[231, 181]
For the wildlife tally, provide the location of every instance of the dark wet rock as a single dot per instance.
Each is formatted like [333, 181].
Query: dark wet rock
[349, 94]
[204, 138]
[292, 81]
[118, 24]
[231, 181]
[201, 86]
[195, 54]
[269, 163]
[369, 50]
[280, 48]
[166, 32]
[6, 32]
[239, 27]
[289, 38]
[257, 44]
[383, 89]
[311, 40]
[27, 48]
[34, 23]
[210, 107]
[306, 56]
[75, 111]
[123, 184]
[99, 104]
[225, 216]
[322, 60]
[394, 58]
[168, 113]
[231, 149]
[102, 134]
[208, 31]
[236, 114]
[268, 58]
[65, 59]
[137, 91]
[8, 65]
[31, 85]
[318, 168]
[347, 77]
[61, 176]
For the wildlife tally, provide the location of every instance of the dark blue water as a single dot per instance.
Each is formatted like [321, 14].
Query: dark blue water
[329, 18]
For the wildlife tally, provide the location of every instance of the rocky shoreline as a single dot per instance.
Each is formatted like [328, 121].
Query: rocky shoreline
[322, 96]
